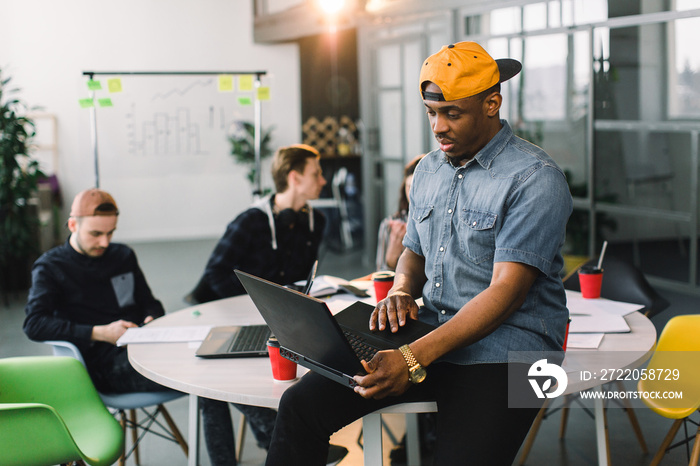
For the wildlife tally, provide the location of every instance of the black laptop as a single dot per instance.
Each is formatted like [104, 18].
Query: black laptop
[243, 341]
[311, 336]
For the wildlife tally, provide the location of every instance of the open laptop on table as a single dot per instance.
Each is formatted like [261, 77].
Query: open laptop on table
[311, 336]
[242, 341]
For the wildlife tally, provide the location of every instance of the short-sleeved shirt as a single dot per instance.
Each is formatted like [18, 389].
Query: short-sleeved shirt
[510, 203]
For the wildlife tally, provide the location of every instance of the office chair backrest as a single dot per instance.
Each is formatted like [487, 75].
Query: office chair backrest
[623, 281]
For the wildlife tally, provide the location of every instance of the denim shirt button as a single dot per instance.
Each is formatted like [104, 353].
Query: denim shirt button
[442, 249]
[460, 176]
[437, 285]
[449, 211]
[443, 312]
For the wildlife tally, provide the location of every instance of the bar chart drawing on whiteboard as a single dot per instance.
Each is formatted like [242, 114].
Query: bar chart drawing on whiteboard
[164, 133]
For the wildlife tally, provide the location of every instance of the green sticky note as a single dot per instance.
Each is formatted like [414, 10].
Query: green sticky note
[225, 83]
[263, 93]
[245, 82]
[114, 85]
[87, 102]
[106, 102]
[245, 101]
[94, 85]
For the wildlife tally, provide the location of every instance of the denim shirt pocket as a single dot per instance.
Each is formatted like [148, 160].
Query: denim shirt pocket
[421, 216]
[477, 237]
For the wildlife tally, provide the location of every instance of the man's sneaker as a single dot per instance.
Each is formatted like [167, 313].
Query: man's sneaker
[335, 454]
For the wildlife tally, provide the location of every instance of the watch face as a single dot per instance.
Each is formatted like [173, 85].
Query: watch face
[418, 375]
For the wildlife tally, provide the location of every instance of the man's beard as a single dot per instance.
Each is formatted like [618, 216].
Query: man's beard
[456, 160]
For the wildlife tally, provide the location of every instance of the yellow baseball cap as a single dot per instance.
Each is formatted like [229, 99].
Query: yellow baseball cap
[464, 69]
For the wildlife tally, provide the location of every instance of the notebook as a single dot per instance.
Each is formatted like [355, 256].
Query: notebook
[242, 341]
[311, 336]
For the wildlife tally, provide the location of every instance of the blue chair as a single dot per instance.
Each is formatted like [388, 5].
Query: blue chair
[123, 402]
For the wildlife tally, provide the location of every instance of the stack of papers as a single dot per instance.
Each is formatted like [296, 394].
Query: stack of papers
[164, 334]
[592, 318]
[324, 285]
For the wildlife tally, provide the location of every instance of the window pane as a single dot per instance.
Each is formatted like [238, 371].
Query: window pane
[590, 11]
[684, 70]
[535, 17]
[544, 76]
[505, 21]
[388, 61]
[393, 176]
[390, 123]
[414, 113]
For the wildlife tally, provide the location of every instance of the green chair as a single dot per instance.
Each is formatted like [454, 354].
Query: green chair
[50, 413]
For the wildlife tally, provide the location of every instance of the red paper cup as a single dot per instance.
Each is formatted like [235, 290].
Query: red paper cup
[283, 370]
[590, 280]
[383, 281]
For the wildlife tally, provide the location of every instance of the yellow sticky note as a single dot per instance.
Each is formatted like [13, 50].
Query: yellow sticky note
[225, 83]
[244, 101]
[105, 102]
[245, 82]
[114, 85]
[263, 93]
[87, 102]
[94, 85]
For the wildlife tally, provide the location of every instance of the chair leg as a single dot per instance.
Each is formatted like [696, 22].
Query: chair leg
[134, 436]
[633, 421]
[667, 441]
[564, 416]
[122, 422]
[695, 455]
[242, 426]
[173, 428]
[530, 439]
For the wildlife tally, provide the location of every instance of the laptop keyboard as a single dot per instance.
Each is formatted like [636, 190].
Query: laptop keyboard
[359, 344]
[251, 338]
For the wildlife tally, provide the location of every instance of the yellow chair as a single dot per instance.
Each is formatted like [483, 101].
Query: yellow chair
[50, 413]
[676, 372]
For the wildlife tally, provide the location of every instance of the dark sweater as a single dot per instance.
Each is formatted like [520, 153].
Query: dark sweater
[72, 292]
[247, 245]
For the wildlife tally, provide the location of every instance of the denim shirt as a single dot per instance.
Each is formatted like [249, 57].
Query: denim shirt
[510, 203]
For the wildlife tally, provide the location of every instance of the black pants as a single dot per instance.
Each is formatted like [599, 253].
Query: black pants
[474, 424]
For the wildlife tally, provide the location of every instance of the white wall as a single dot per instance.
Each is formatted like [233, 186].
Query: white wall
[45, 46]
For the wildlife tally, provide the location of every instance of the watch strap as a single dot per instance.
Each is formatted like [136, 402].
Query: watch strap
[408, 356]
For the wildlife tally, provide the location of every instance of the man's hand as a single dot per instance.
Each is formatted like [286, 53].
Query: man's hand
[110, 333]
[393, 311]
[387, 375]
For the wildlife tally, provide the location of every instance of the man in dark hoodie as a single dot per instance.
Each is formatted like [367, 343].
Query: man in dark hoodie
[277, 238]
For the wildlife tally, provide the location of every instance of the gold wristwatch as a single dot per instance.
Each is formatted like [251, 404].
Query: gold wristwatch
[416, 372]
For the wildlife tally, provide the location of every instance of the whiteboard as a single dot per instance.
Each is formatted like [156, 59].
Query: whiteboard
[163, 151]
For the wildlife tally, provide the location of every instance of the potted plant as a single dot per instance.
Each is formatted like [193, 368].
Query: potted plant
[242, 139]
[19, 176]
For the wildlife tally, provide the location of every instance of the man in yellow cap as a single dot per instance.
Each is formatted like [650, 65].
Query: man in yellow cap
[483, 242]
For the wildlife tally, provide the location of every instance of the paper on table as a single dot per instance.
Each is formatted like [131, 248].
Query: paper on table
[164, 334]
[324, 285]
[577, 303]
[597, 315]
[584, 340]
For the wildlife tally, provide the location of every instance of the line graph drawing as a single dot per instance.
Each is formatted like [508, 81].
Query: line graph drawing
[181, 92]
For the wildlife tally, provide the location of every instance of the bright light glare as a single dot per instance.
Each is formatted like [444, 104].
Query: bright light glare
[331, 7]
